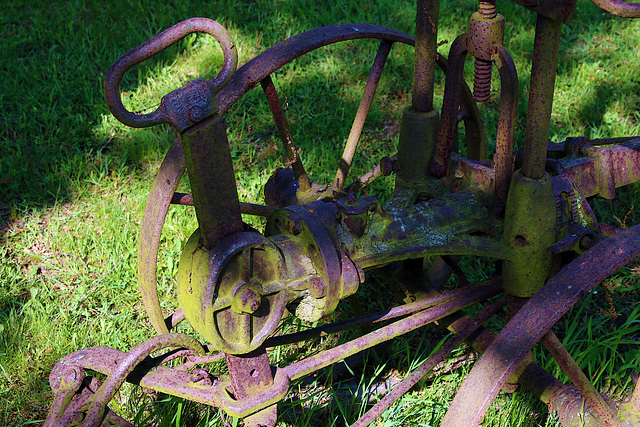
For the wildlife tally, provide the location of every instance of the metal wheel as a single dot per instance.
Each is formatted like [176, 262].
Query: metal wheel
[290, 186]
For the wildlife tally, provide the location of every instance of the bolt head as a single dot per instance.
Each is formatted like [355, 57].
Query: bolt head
[196, 114]
[247, 299]
[293, 224]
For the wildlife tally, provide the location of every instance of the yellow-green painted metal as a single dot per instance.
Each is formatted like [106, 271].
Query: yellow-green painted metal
[530, 220]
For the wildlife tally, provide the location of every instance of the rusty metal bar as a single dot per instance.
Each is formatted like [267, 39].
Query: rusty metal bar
[503, 158]
[468, 326]
[427, 12]
[155, 212]
[543, 77]
[361, 115]
[492, 286]
[213, 182]
[619, 8]
[450, 106]
[311, 364]
[290, 149]
[534, 320]
[245, 208]
[579, 379]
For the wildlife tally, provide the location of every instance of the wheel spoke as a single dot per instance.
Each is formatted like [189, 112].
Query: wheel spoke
[186, 199]
[361, 115]
[290, 149]
[579, 379]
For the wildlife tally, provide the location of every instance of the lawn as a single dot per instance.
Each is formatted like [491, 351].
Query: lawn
[74, 181]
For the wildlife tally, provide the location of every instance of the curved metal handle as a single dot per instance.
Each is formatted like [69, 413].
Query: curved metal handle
[619, 8]
[203, 90]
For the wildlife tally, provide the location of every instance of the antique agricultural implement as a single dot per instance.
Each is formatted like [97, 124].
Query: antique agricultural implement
[235, 284]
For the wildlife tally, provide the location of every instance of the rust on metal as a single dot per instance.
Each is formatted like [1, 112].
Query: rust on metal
[619, 8]
[182, 107]
[534, 320]
[580, 380]
[361, 115]
[236, 283]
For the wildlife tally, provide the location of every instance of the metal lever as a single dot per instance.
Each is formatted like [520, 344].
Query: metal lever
[185, 106]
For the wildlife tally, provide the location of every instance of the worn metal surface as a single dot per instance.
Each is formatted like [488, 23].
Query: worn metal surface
[534, 320]
[605, 412]
[427, 14]
[182, 107]
[361, 115]
[541, 89]
[235, 284]
[619, 8]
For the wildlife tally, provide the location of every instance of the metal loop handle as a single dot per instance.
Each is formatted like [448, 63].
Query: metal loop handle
[158, 44]
[619, 8]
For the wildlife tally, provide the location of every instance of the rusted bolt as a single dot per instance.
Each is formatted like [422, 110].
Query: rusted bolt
[587, 242]
[482, 80]
[388, 165]
[246, 300]
[317, 287]
[482, 67]
[293, 224]
[196, 114]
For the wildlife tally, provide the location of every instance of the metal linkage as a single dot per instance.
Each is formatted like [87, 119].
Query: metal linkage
[235, 283]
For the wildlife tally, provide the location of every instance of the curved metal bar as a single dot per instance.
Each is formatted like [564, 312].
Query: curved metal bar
[503, 159]
[155, 213]
[450, 105]
[158, 44]
[534, 320]
[272, 59]
[127, 364]
[619, 8]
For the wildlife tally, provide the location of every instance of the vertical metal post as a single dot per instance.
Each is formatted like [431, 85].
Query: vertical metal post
[213, 182]
[425, 57]
[543, 78]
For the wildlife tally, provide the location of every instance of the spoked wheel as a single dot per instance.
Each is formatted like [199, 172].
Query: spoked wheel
[288, 186]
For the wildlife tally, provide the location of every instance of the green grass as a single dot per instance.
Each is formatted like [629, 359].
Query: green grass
[74, 182]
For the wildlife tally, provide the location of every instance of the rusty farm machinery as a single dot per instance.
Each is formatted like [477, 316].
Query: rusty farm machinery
[529, 213]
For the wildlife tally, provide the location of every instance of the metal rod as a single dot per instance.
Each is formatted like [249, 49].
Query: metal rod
[579, 379]
[290, 149]
[361, 115]
[543, 78]
[469, 325]
[425, 55]
[245, 208]
[311, 364]
[490, 285]
[213, 182]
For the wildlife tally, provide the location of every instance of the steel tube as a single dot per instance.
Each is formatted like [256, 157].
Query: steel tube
[543, 78]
